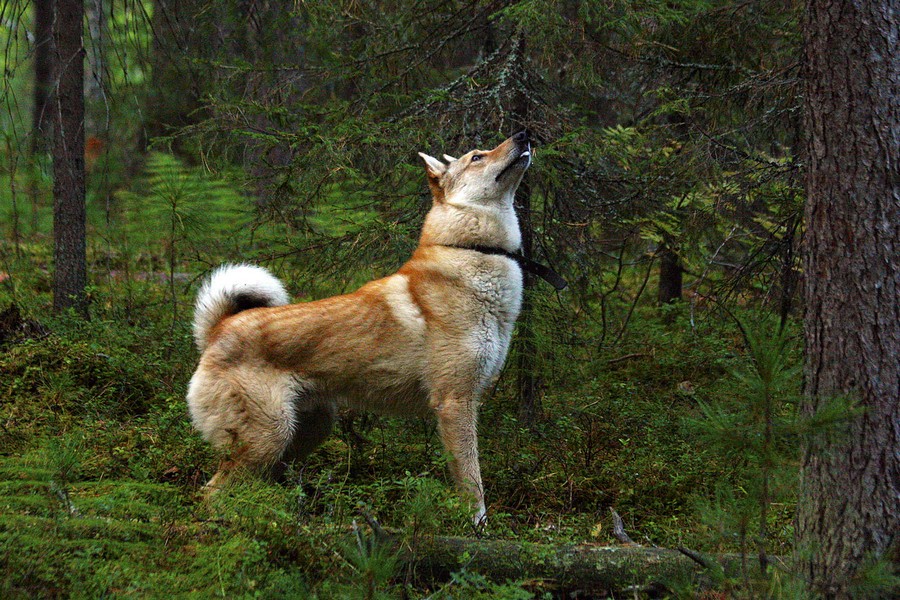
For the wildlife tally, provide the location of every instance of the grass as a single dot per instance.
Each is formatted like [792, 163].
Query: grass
[100, 470]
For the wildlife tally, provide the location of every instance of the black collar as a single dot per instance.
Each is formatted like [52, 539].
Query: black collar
[535, 268]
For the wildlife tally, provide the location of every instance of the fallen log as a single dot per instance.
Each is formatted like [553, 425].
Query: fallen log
[570, 570]
[584, 569]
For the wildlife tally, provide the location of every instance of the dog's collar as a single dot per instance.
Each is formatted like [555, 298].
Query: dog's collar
[535, 268]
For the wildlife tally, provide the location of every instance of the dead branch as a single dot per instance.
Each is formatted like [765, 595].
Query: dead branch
[613, 361]
[618, 529]
[696, 557]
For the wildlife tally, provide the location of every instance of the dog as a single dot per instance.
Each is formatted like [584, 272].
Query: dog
[427, 340]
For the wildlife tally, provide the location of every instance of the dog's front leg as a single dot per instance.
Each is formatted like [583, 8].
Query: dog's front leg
[457, 417]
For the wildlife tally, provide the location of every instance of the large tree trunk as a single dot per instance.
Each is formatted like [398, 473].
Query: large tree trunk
[850, 485]
[70, 272]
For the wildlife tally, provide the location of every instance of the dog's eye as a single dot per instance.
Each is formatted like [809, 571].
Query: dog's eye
[476, 157]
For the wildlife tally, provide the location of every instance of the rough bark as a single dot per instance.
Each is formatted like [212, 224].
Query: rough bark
[849, 510]
[70, 272]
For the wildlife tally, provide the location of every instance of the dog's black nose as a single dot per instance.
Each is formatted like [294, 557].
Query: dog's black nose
[522, 136]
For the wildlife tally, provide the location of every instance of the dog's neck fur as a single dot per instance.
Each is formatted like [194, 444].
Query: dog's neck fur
[471, 225]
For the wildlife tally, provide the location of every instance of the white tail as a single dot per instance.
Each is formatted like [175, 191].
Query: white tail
[231, 289]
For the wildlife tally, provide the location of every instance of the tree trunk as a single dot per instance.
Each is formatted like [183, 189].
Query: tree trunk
[670, 275]
[70, 272]
[849, 509]
[173, 98]
[527, 379]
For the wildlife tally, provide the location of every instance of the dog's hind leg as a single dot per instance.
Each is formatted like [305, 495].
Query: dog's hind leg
[312, 426]
[257, 446]
[249, 416]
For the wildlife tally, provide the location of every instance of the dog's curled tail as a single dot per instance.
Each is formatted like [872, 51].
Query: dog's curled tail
[231, 289]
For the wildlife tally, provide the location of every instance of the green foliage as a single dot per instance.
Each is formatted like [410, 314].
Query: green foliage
[47, 383]
[374, 563]
[464, 584]
[118, 490]
[172, 206]
[287, 136]
[876, 578]
[755, 423]
[756, 427]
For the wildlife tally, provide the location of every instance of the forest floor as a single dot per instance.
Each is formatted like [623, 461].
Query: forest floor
[100, 470]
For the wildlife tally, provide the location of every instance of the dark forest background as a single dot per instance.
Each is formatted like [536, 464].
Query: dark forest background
[664, 384]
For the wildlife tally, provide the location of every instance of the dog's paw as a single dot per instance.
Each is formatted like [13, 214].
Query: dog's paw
[479, 519]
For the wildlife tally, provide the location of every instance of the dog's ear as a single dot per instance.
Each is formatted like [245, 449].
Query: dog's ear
[435, 169]
[433, 166]
[449, 158]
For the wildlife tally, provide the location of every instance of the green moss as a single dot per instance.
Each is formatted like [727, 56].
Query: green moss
[100, 469]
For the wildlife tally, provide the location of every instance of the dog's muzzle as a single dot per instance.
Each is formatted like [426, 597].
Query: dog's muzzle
[523, 160]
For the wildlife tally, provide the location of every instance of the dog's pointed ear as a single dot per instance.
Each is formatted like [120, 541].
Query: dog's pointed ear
[449, 158]
[434, 167]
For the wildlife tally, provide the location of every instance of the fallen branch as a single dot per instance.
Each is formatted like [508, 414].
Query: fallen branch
[613, 361]
[696, 557]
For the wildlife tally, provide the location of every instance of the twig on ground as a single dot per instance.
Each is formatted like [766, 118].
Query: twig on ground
[613, 361]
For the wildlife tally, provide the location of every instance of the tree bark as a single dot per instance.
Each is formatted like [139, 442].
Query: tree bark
[69, 253]
[849, 509]
[670, 275]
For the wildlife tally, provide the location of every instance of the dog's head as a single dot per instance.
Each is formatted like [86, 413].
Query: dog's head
[482, 177]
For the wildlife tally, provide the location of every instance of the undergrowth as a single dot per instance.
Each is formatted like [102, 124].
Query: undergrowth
[100, 471]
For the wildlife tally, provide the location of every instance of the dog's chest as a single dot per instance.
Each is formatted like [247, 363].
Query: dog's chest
[496, 288]
[497, 294]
